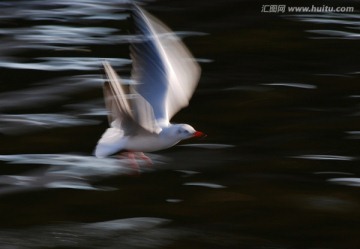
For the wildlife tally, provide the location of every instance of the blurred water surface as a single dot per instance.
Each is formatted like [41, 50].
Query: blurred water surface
[278, 98]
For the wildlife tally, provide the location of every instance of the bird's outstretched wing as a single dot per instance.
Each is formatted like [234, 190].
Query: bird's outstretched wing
[164, 68]
[128, 110]
[124, 115]
[119, 115]
[117, 103]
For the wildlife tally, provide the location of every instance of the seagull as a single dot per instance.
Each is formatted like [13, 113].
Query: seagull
[166, 75]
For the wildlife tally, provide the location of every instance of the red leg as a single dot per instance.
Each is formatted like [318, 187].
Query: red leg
[132, 156]
[145, 158]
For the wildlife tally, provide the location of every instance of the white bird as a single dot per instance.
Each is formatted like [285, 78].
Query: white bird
[166, 76]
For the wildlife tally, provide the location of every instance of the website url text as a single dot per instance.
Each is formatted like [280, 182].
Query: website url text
[277, 8]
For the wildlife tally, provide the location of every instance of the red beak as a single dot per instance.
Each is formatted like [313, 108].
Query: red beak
[199, 134]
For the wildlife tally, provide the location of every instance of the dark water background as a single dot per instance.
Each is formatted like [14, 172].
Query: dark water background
[279, 99]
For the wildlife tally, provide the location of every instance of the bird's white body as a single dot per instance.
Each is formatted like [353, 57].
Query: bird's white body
[166, 75]
[113, 140]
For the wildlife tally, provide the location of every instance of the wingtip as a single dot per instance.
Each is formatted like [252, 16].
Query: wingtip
[107, 68]
[134, 7]
[105, 63]
[138, 12]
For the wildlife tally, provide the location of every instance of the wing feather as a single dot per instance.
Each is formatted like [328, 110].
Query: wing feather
[115, 98]
[127, 109]
[165, 69]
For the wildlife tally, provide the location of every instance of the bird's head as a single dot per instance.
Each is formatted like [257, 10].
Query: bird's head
[185, 131]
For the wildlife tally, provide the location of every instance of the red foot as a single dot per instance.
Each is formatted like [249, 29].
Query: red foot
[132, 156]
[145, 158]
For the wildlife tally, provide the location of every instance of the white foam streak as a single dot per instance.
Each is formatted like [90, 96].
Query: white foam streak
[295, 85]
[326, 157]
[209, 146]
[348, 181]
[64, 171]
[17, 124]
[204, 184]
